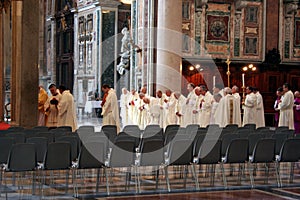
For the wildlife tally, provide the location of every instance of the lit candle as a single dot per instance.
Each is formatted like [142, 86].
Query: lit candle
[243, 79]
[214, 81]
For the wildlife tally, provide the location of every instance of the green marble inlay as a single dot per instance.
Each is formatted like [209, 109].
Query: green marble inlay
[287, 49]
[236, 47]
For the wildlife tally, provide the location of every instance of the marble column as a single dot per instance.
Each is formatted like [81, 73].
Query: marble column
[169, 45]
[25, 37]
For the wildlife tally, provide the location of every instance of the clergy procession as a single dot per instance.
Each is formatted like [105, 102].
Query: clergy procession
[222, 107]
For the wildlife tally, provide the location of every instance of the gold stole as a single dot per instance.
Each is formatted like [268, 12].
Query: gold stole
[231, 111]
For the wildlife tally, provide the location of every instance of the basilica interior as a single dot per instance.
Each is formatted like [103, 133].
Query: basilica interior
[170, 43]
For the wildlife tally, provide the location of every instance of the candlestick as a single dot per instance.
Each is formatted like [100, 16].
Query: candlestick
[214, 81]
[243, 80]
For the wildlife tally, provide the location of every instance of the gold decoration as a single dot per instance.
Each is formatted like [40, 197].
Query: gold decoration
[228, 70]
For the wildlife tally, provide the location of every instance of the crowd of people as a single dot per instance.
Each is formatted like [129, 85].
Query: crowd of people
[223, 106]
[57, 109]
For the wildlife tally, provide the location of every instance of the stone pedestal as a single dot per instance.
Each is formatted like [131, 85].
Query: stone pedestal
[169, 45]
[24, 90]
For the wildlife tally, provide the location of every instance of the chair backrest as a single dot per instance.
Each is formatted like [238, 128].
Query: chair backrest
[92, 155]
[252, 127]
[226, 140]
[110, 131]
[243, 133]
[86, 128]
[210, 152]
[171, 127]
[49, 135]
[153, 132]
[198, 140]
[40, 128]
[231, 127]
[73, 140]
[181, 152]
[261, 128]
[123, 154]
[290, 151]
[281, 128]
[267, 133]
[18, 136]
[58, 156]
[191, 129]
[264, 151]
[253, 139]
[5, 145]
[237, 151]
[22, 157]
[15, 128]
[280, 138]
[65, 128]
[133, 130]
[152, 152]
[41, 144]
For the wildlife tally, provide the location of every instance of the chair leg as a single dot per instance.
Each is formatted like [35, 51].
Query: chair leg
[167, 178]
[195, 176]
[33, 182]
[267, 173]
[224, 175]
[98, 180]
[67, 180]
[107, 181]
[185, 175]
[279, 181]
[251, 172]
[156, 178]
[292, 172]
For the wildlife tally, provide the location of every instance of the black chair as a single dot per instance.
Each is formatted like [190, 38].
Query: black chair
[237, 152]
[263, 152]
[243, 133]
[290, 152]
[209, 154]
[92, 156]
[151, 154]
[41, 144]
[73, 140]
[49, 135]
[259, 129]
[5, 145]
[64, 128]
[54, 162]
[197, 143]
[180, 153]
[22, 158]
[122, 156]
[15, 128]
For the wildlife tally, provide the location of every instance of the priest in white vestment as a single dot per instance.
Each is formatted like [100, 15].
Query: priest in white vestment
[50, 106]
[124, 107]
[286, 116]
[180, 108]
[197, 107]
[191, 99]
[249, 107]
[235, 92]
[139, 107]
[215, 104]
[132, 110]
[228, 110]
[66, 109]
[160, 101]
[110, 108]
[169, 109]
[260, 113]
[205, 106]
